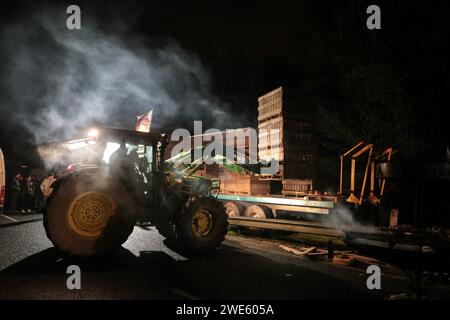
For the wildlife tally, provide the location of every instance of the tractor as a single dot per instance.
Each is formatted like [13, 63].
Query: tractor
[124, 178]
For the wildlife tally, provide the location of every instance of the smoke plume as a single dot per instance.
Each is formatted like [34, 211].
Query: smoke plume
[56, 80]
[342, 218]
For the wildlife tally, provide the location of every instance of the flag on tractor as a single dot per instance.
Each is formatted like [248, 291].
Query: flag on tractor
[144, 122]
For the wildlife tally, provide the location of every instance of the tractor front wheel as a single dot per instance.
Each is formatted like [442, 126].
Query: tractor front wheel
[204, 225]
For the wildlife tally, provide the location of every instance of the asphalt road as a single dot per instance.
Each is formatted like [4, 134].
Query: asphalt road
[145, 268]
[17, 218]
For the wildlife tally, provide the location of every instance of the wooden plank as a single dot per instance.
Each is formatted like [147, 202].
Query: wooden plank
[297, 252]
[312, 251]
[309, 250]
[347, 259]
[367, 260]
[289, 249]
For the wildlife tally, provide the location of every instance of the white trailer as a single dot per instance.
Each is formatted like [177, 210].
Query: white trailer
[262, 212]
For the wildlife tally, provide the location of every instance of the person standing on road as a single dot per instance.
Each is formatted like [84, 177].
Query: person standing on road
[37, 193]
[46, 188]
[30, 194]
[15, 192]
[23, 194]
[39, 196]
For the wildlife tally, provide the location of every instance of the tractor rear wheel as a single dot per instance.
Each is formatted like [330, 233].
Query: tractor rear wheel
[89, 215]
[204, 225]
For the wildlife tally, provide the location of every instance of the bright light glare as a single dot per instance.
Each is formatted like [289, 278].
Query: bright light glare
[92, 133]
[111, 147]
[75, 145]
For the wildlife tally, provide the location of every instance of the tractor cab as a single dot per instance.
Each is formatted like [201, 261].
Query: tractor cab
[104, 144]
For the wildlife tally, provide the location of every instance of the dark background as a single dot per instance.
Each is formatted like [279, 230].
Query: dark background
[388, 86]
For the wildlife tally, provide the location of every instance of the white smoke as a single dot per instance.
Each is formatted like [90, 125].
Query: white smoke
[344, 219]
[57, 80]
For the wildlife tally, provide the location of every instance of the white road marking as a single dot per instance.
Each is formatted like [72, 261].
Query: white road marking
[149, 240]
[175, 256]
[9, 218]
[184, 294]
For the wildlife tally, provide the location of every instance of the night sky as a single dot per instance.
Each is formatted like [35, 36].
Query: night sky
[247, 48]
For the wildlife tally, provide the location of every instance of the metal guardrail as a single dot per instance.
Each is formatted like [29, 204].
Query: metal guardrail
[286, 225]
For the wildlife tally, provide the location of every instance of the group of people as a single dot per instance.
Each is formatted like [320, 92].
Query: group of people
[28, 194]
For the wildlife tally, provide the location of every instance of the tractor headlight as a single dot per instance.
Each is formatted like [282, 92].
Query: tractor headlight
[92, 133]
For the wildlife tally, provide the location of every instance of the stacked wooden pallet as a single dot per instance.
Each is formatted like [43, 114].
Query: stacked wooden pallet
[297, 186]
[270, 120]
[286, 133]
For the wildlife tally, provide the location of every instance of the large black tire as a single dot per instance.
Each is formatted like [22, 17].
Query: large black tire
[89, 215]
[258, 211]
[193, 237]
[234, 209]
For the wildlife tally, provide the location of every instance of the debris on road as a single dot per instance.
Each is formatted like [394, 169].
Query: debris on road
[310, 252]
[346, 259]
[403, 296]
[343, 258]
[304, 252]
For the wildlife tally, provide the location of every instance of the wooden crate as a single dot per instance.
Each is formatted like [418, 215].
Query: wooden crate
[270, 105]
[287, 111]
[297, 186]
[247, 184]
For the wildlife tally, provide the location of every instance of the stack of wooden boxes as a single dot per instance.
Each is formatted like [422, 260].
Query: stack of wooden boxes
[246, 184]
[294, 187]
[296, 149]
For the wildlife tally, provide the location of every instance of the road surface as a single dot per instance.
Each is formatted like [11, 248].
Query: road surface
[145, 268]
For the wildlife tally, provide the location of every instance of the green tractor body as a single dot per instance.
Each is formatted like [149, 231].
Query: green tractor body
[123, 179]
